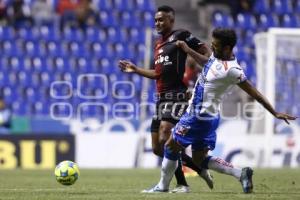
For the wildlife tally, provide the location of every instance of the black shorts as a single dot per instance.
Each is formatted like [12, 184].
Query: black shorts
[168, 110]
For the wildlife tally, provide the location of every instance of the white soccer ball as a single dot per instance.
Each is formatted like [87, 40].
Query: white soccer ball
[66, 172]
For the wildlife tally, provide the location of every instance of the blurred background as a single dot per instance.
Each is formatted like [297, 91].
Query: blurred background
[63, 96]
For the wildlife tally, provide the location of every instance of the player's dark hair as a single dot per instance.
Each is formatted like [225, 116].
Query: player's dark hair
[226, 36]
[166, 9]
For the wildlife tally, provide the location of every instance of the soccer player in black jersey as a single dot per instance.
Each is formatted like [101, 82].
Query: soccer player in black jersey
[168, 71]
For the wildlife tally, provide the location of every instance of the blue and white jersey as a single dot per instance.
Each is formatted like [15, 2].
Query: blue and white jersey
[216, 79]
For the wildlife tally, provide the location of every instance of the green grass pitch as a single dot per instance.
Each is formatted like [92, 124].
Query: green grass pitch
[127, 184]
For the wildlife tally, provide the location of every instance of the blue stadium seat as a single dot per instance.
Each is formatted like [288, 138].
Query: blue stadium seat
[10, 94]
[243, 54]
[77, 49]
[107, 19]
[24, 78]
[106, 66]
[61, 90]
[11, 48]
[12, 78]
[3, 79]
[282, 6]
[15, 64]
[56, 48]
[115, 34]
[31, 95]
[45, 79]
[28, 33]
[248, 68]
[147, 19]
[41, 109]
[32, 48]
[5, 65]
[94, 34]
[60, 64]
[62, 111]
[291, 68]
[18, 108]
[73, 35]
[49, 33]
[248, 38]
[289, 20]
[222, 20]
[268, 20]
[99, 50]
[297, 7]
[38, 63]
[121, 51]
[127, 19]
[83, 64]
[245, 21]
[261, 6]
[102, 35]
[128, 5]
[145, 5]
[36, 80]
[106, 5]
[7, 33]
[136, 36]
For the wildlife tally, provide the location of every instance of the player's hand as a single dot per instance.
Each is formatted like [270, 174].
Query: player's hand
[285, 117]
[127, 66]
[182, 45]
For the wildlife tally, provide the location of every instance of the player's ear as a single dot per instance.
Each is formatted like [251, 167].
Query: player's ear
[173, 19]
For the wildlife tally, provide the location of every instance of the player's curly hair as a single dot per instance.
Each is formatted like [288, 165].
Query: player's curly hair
[226, 36]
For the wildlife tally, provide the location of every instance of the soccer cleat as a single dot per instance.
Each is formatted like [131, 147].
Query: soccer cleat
[181, 189]
[155, 189]
[207, 177]
[246, 179]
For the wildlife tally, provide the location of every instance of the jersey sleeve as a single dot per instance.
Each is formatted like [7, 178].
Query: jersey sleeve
[236, 75]
[191, 40]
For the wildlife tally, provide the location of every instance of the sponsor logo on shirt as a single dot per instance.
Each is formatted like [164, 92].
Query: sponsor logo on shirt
[162, 59]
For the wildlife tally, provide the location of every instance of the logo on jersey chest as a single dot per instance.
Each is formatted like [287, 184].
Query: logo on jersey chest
[163, 59]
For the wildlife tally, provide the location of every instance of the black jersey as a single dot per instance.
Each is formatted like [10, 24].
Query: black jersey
[169, 61]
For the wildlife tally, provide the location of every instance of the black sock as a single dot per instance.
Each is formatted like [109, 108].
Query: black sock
[180, 175]
[188, 161]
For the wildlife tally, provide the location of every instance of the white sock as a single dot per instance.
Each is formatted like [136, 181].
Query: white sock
[220, 165]
[168, 168]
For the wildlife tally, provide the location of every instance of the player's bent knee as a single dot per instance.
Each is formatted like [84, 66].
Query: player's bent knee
[170, 154]
[164, 133]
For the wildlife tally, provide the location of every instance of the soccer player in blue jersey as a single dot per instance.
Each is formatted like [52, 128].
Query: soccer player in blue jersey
[197, 127]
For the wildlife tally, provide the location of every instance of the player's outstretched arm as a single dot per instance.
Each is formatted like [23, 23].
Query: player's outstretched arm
[253, 92]
[199, 58]
[129, 67]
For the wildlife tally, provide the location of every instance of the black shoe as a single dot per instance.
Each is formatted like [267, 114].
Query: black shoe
[246, 180]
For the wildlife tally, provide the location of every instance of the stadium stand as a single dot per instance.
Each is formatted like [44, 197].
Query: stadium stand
[34, 56]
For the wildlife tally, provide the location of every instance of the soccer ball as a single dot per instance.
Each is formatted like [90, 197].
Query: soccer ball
[66, 172]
